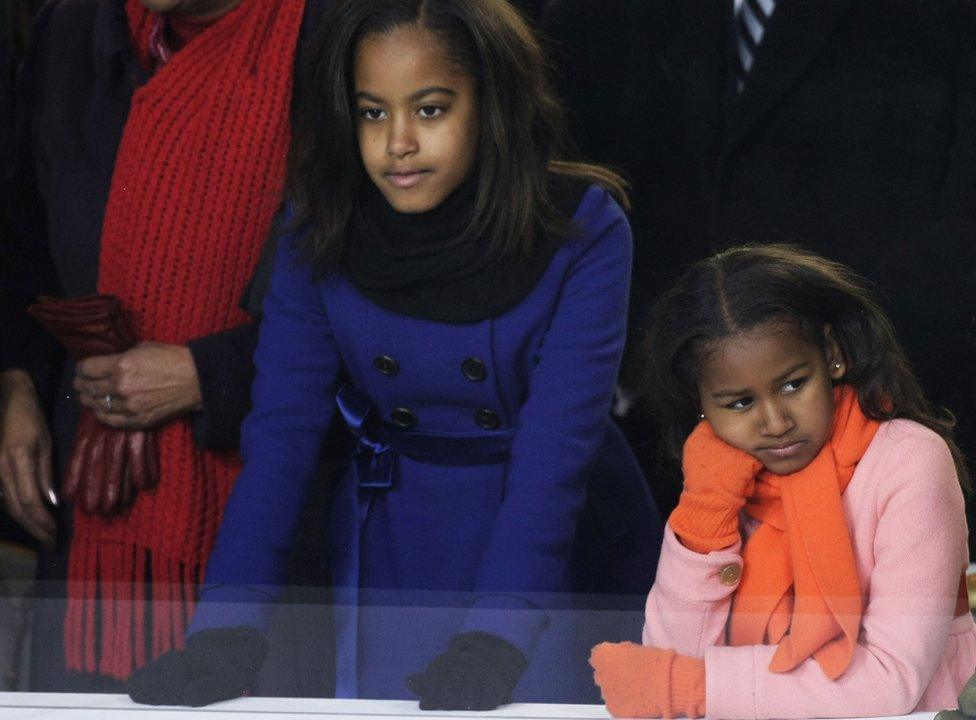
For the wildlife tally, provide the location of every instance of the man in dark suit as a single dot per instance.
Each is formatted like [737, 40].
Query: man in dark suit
[847, 127]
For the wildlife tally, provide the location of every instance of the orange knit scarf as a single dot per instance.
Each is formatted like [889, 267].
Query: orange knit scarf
[799, 586]
[197, 180]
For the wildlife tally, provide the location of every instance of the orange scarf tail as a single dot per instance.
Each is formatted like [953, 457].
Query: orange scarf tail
[799, 585]
[198, 177]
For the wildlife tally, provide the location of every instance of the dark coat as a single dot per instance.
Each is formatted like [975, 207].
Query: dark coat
[451, 537]
[855, 136]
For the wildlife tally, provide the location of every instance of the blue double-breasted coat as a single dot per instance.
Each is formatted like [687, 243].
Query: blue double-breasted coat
[519, 542]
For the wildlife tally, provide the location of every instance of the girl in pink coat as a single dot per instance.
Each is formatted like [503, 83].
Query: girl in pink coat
[815, 564]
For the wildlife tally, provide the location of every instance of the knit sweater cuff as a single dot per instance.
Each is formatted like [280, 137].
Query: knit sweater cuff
[706, 522]
[688, 686]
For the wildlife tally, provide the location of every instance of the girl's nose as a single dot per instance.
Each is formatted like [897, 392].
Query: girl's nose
[401, 142]
[776, 420]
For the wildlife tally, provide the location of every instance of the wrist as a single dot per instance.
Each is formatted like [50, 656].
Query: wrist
[194, 401]
[705, 522]
[688, 686]
[15, 382]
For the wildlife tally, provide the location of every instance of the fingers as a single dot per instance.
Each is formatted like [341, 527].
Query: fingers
[99, 384]
[22, 492]
[140, 388]
[95, 389]
[113, 410]
[45, 469]
[25, 457]
[99, 367]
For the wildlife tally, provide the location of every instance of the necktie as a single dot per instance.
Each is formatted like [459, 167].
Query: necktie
[750, 24]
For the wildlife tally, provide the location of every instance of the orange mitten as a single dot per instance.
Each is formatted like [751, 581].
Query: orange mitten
[637, 681]
[717, 480]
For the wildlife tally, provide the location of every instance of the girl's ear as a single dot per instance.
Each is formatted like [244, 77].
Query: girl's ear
[836, 365]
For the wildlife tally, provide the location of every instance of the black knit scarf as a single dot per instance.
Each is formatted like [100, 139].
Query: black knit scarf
[423, 265]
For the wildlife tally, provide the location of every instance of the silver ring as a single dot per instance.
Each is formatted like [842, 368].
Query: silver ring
[108, 402]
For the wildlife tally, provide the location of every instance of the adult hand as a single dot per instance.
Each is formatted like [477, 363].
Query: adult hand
[25, 456]
[140, 388]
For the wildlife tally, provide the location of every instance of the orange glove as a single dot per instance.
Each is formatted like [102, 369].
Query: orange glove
[647, 682]
[717, 480]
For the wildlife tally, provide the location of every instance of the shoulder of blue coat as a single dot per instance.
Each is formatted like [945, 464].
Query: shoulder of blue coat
[600, 219]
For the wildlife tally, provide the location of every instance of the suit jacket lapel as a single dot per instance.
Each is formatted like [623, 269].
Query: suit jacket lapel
[794, 36]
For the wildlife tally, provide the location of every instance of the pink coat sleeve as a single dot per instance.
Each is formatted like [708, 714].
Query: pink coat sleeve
[915, 548]
[688, 606]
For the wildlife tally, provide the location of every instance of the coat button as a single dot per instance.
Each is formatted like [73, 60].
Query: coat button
[386, 365]
[487, 419]
[731, 574]
[403, 417]
[474, 370]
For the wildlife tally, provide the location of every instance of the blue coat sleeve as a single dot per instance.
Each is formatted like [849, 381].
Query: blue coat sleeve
[293, 403]
[560, 428]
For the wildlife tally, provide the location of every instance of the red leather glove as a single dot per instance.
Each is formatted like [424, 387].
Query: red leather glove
[107, 466]
[717, 480]
[638, 681]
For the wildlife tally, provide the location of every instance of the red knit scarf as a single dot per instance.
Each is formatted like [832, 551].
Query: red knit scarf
[799, 586]
[197, 179]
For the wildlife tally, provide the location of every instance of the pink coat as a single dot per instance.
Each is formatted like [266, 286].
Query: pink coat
[905, 510]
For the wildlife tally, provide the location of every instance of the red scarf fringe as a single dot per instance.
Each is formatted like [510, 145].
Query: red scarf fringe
[198, 178]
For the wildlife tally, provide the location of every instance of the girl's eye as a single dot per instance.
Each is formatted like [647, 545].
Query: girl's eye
[793, 385]
[740, 404]
[372, 113]
[430, 111]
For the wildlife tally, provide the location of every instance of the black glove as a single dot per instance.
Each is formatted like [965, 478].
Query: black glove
[215, 665]
[479, 671]
[967, 704]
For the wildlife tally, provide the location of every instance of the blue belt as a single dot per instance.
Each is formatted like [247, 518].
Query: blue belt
[379, 444]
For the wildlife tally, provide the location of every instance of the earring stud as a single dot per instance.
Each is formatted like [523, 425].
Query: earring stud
[837, 366]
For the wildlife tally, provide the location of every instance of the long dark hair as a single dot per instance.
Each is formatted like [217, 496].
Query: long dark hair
[745, 287]
[521, 137]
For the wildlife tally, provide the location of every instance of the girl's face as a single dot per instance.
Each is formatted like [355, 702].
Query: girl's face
[417, 117]
[769, 392]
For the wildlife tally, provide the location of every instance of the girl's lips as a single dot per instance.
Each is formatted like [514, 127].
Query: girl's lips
[782, 452]
[406, 179]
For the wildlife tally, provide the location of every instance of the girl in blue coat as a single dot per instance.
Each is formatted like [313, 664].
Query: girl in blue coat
[458, 298]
